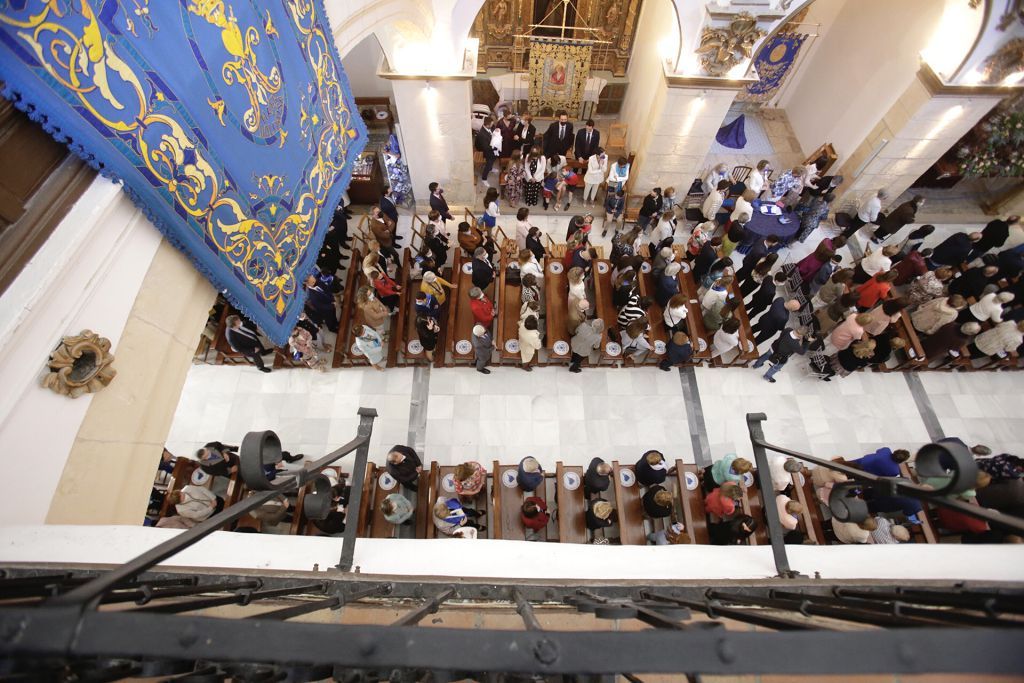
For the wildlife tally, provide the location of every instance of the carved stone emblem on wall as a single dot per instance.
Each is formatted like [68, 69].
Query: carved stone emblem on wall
[1007, 60]
[723, 47]
[80, 365]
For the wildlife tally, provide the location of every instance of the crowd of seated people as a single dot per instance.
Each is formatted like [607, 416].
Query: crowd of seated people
[725, 487]
[958, 302]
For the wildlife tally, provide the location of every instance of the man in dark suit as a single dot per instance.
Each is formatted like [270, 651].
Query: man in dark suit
[764, 295]
[483, 271]
[245, 342]
[439, 203]
[558, 138]
[483, 145]
[388, 206]
[525, 133]
[953, 250]
[775, 320]
[587, 141]
[405, 466]
[791, 342]
[757, 252]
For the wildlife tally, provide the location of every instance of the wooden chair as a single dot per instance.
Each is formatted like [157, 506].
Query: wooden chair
[741, 173]
[692, 499]
[605, 311]
[630, 507]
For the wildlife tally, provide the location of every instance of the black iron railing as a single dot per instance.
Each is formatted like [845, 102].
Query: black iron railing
[139, 621]
[948, 460]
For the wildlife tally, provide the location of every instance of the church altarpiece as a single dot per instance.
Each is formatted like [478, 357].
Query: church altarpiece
[500, 22]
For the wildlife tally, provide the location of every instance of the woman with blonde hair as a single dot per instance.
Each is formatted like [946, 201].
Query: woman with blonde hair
[371, 262]
[634, 340]
[371, 310]
[528, 265]
[600, 514]
[657, 502]
[858, 355]
[577, 286]
[529, 341]
[300, 343]
[726, 469]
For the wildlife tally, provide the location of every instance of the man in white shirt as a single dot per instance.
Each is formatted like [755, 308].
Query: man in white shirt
[782, 469]
[867, 212]
[755, 181]
[743, 206]
[852, 532]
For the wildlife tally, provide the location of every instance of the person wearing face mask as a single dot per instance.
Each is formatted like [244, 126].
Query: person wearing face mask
[438, 202]
[588, 142]
[597, 169]
[558, 139]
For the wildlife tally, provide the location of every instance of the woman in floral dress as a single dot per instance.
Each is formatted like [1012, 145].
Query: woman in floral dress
[514, 177]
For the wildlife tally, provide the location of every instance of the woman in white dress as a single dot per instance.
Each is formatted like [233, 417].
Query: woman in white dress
[370, 343]
[597, 169]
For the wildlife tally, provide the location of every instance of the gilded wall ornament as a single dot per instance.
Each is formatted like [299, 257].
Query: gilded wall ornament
[1014, 12]
[722, 48]
[1006, 60]
[80, 365]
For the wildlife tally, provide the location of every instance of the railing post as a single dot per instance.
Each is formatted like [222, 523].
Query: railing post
[348, 542]
[767, 487]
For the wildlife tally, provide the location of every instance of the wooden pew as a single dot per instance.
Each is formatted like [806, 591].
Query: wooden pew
[747, 349]
[925, 532]
[433, 491]
[424, 505]
[438, 473]
[914, 352]
[224, 354]
[692, 500]
[657, 334]
[406, 317]
[460, 316]
[349, 318]
[380, 527]
[507, 502]
[699, 336]
[605, 310]
[365, 504]
[753, 505]
[572, 506]
[509, 305]
[181, 474]
[810, 520]
[556, 298]
[631, 509]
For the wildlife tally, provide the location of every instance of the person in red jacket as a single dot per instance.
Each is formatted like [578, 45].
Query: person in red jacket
[875, 289]
[482, 307]
[387, 289]
[535, 514]
[721, 503]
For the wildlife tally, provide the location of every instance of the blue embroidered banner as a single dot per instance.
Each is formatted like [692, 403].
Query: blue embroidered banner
[773, 63]
[230, 123]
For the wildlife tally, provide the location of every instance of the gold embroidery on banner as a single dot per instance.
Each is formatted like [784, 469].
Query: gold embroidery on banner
[558, 76]
[265, 255]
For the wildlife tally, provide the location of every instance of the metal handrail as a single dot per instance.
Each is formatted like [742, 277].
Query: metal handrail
[88, 595]
[889, 485]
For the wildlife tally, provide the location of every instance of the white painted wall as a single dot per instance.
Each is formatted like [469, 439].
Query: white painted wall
[361, 65]
[645, 97]
[861, 67]
[86, 276]
[505, 559]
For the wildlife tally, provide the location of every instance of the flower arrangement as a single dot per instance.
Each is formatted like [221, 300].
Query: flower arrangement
[999, 149]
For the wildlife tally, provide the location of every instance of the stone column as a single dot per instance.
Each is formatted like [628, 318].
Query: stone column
[109, 472]
[671, 148]
[924, 123]
[434, 116]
